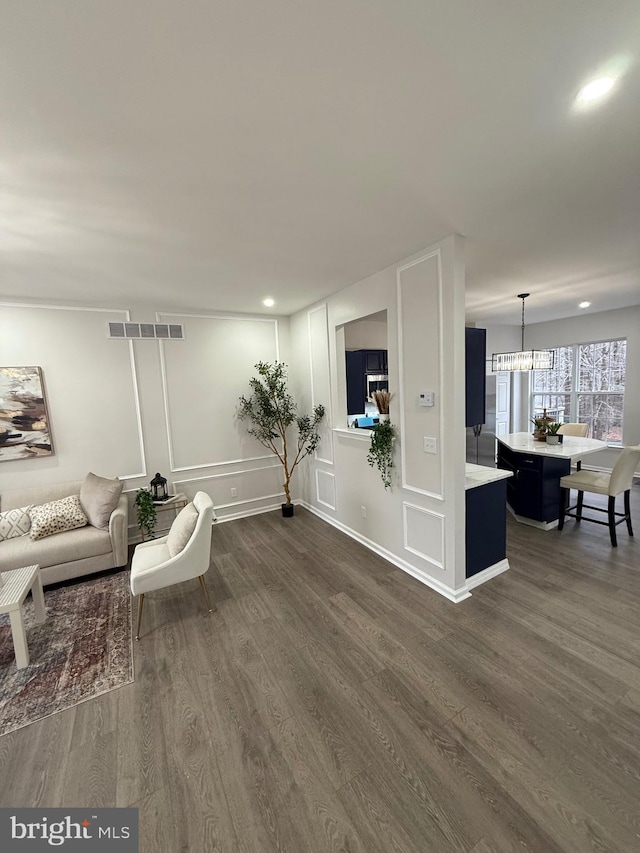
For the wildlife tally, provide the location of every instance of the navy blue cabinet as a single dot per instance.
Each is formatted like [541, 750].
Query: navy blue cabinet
[355, 382]
[486, 526]
[475, 375]
[361, 364]
[534, 490]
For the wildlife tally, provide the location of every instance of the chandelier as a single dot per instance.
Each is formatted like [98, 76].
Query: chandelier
[531, 359]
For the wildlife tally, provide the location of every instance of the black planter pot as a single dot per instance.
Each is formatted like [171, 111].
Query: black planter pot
[287, 510]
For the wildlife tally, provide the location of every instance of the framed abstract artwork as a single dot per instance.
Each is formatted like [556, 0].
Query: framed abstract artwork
[24, 419]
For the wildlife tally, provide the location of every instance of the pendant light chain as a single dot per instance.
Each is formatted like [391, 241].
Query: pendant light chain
[522, 296]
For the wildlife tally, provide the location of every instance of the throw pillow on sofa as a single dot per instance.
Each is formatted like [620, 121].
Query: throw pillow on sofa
[99, 497]
[56, 517]
[15, 522]
[182, 529]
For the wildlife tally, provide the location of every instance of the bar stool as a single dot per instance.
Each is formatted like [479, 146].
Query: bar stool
[617, 482]
[579, 430]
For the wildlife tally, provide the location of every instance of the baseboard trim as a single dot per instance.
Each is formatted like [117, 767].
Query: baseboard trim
[456, 596]
[486, 574]
[136, 538]
[532, 522]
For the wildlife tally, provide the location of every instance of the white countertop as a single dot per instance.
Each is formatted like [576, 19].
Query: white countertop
[572, 447]
[480, 475]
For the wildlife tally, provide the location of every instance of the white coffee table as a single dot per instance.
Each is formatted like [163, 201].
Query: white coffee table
[16, 584]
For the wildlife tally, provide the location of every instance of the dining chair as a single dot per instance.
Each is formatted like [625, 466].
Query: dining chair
[619, 481]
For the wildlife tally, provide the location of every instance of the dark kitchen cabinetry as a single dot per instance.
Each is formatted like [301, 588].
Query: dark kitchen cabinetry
[475, 375]
[360, 364]
[486, 526]
[375, 361]
[534, 490]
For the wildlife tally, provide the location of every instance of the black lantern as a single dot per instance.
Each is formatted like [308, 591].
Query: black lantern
[159, 488]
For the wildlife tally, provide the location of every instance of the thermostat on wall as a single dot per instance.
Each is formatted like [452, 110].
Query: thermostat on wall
[426, 398]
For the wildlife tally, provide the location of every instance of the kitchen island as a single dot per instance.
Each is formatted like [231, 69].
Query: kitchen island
[533, 494]
[486, 522]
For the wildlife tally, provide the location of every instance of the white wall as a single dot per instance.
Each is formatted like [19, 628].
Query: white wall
[133, 408]
[366, 334]
[419, 524]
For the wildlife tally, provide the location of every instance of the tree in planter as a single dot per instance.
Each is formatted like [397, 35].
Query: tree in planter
[270, 411]
[380, 453]
[146, 511]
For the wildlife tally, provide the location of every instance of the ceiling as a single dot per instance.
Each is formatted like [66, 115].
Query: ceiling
[204, 155]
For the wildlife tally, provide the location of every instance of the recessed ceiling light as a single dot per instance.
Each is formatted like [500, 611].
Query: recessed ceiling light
[584, 304]
[268, 302]
[595, 89]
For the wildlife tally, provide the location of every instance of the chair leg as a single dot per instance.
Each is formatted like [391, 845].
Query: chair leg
[140, 606]
[612, 520]
[564, 493]
[579, 465]
[627, 511]
[205, 593]
[579, 507]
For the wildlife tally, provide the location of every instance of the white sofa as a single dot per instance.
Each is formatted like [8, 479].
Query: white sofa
[70, 554]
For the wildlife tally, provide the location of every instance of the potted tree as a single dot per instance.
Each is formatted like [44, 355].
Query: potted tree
[270, 411]
[380, 453]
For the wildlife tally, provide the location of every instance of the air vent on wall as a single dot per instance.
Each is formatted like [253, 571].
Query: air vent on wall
[147, 331]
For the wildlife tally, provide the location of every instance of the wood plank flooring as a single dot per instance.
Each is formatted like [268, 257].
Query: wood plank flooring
[333, 703]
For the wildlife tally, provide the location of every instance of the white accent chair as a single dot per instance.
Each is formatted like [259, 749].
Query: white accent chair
[617, 482]
[153, 567]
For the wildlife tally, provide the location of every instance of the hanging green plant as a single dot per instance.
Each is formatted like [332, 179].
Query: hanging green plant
[380, 453]
[147, 515]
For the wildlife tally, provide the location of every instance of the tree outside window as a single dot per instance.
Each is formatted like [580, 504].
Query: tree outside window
[587, 386]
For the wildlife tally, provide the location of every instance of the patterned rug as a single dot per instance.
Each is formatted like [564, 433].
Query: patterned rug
[83, 649]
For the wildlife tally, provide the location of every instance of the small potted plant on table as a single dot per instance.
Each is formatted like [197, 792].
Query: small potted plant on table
[553, 436]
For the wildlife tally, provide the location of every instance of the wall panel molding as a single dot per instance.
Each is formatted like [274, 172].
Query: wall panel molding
[417, 530]
[322, 340]
[126, 314]
[405, 402]
[326, 489]
[163, 351]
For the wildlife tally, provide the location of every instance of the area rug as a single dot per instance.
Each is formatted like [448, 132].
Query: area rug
[83, 649]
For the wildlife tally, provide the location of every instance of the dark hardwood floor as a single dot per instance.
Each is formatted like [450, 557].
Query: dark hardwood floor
[332, 703]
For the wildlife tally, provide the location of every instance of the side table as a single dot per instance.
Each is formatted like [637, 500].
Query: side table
[16, 584]
[176, 503]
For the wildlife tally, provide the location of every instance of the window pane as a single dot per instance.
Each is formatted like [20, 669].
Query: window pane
[558, 406]
[602, 366]
[603, 413]
[558, 379]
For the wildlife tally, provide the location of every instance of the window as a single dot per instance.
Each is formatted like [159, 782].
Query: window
[587, 386]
